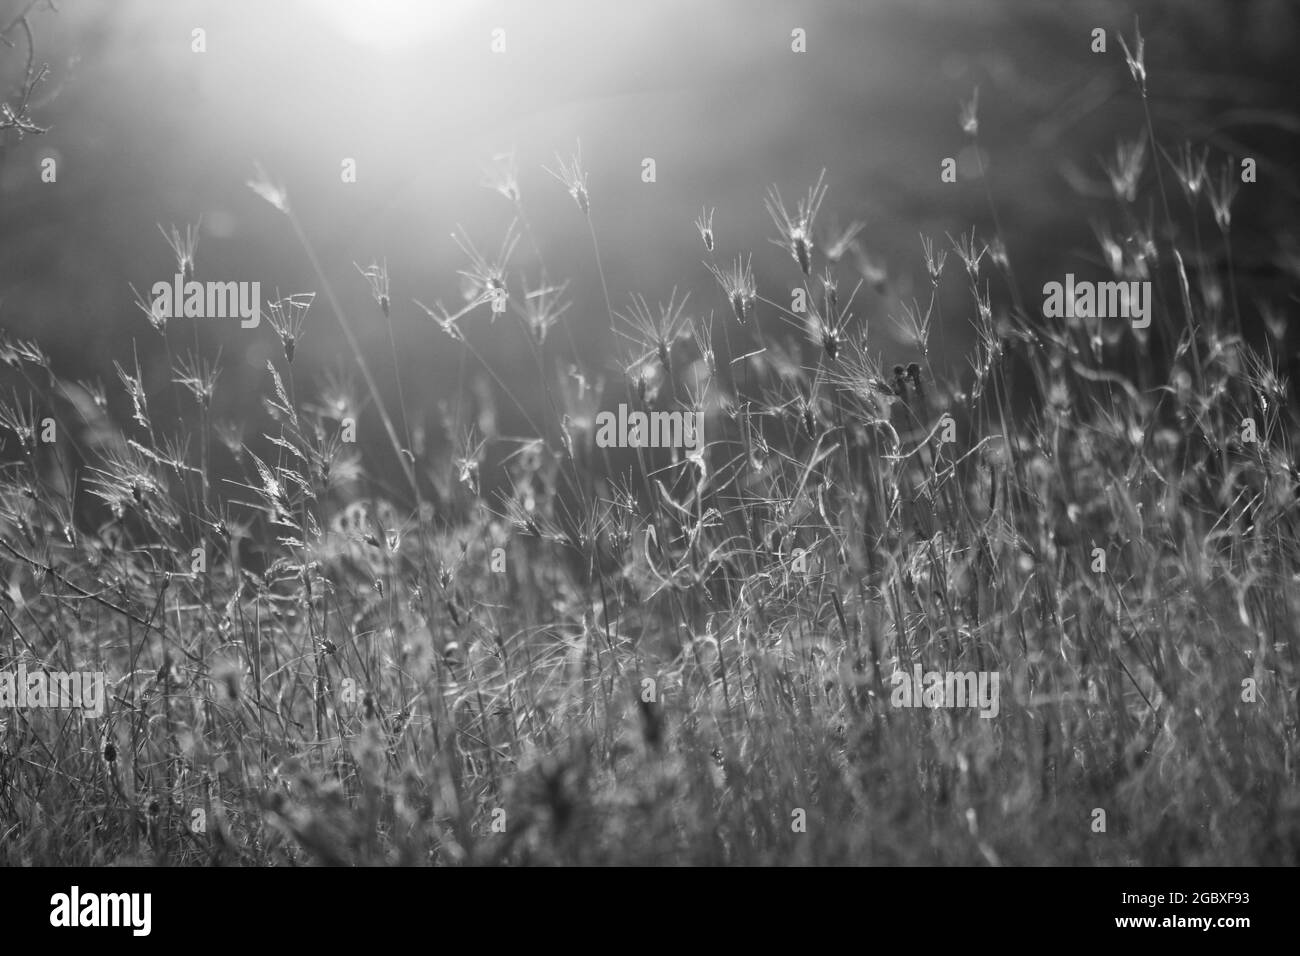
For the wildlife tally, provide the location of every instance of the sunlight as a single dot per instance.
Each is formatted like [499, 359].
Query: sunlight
[387, 24]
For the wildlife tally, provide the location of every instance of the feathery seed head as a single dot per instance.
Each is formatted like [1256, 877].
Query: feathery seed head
[1191, 170]
[1136, 57]
[840, 241]
[199, 376]
[969, 117]
[933, 263]
[503, 176]
[655, 335]
[272, 192]
[1222, 193]
[830, 289]
[183, 248]
[1126, 169]
[153, 310]
[286, 317]
[738, 284]
[543, 308]
[376, 277]
[574, 178]
[796, 230]
[968, 252]
[487, 280]
[704, 223]
[702, 333]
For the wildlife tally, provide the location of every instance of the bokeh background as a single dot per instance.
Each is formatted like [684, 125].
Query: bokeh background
[147, 132]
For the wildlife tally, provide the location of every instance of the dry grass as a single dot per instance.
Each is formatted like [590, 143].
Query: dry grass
[655, 677]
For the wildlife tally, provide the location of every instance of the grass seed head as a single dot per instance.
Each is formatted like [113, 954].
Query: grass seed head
[969, 115]
[797, 230]
[704, 223]
[738, 284]
[573, 177]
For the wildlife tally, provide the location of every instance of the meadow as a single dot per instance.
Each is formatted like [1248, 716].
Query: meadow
[357, 629]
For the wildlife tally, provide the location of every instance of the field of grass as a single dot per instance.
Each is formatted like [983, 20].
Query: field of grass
[465, 646]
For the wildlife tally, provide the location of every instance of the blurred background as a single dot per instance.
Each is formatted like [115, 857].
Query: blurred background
[145, 131]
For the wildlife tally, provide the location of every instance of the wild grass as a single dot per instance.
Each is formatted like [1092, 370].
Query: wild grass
[348, 660]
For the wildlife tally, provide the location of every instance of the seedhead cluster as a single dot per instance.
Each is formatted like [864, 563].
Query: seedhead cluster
[359, 627]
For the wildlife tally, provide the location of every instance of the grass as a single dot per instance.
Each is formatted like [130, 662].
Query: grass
[484, 648]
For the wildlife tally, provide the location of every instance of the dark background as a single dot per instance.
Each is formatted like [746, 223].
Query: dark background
[147, 132]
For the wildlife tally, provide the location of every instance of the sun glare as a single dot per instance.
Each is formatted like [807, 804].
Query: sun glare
[386, 24]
